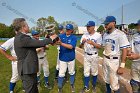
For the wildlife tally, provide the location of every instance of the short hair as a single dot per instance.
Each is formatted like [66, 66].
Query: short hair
[18, 23]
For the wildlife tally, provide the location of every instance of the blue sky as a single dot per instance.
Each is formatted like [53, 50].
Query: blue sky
[66, 10]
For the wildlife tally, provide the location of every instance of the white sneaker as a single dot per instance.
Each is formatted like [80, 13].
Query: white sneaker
[11, 92]
[23, 90]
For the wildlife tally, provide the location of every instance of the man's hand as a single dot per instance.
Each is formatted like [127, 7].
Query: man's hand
[53, 36]
[12, 58]
[59, 42]
[133, 56]
[120, 70]
[89, 42]
[84, 40]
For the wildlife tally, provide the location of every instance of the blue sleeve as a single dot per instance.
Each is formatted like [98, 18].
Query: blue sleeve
[74, 42]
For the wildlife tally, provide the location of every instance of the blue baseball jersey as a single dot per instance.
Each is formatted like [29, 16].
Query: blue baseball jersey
[66, 54]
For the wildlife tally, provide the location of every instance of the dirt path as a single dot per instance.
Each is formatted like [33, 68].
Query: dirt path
[124, 79]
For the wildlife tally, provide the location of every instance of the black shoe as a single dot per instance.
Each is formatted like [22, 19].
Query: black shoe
[47, 85]
[60, 90]
[85, 89]
[72, 88]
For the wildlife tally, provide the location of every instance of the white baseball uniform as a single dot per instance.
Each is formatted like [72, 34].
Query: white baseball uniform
[135, 69]
[113, 43]
[43, 63]
[91, 54]
[58, 61]
[9, 45]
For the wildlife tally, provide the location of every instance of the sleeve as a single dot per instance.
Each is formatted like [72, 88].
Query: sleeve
[123, 41]
[7, 45]
[82, 39]
[99, 40]
[74, 42]
[29, 42]
[103, 40]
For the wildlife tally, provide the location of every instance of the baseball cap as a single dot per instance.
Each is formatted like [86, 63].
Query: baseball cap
[138, 22]
[34, 32]
[90, 23]
[109, 19]
[69, 27]
[60, 27]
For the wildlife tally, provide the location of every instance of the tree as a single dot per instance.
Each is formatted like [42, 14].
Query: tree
[43, 23]
[6, 31]
[132, 26]
[101, 29]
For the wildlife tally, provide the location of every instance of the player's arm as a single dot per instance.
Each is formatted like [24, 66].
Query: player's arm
[38, 50]
[66, 45]
[94, 44]
[83, 41]
[134, 56]
[69, 46]
[8, 56]
[124, 44]
[124, 55]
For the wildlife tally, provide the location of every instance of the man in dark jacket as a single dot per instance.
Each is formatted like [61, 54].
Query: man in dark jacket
[25, 48]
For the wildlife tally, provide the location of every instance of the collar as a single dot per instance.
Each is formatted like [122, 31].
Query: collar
[24, 33]
[112, 31]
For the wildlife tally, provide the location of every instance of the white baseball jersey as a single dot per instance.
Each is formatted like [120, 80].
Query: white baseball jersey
[96, 37]
[135, 44]
[41, 53]
[9, 45]
[113, 42]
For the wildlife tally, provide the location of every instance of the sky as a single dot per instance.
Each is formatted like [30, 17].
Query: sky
[78, 11]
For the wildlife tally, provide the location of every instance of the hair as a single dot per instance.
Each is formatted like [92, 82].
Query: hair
[18, 23]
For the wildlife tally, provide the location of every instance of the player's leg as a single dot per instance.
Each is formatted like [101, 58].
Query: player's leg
[39, 71]
[94, 71]
[45, 66]
[71, 69]
[62, 71]
[106, 73]
[135, 81]
[87, 65]
[14, 78]
[57, 68]
[114, 81]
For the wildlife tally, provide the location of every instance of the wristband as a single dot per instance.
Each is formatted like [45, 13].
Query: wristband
[122, 65]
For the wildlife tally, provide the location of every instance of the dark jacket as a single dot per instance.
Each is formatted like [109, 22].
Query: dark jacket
[25, 48]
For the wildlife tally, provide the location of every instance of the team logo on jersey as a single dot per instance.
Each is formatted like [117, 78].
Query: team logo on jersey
[69, 41]
[136, 43]
[112, 42]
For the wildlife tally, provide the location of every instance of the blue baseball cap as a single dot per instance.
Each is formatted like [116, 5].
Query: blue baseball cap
[109, 19]
[138, 22]
[69, 27]
[34, 32]
[60, 27]
[90, 23]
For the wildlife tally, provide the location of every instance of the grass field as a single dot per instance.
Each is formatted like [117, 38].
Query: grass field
[5, 75]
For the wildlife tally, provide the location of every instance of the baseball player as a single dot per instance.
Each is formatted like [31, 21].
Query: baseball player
[43, 63]
[91, 42]
[61, 31]
[135, 56]
[115, 51]
[67, 57]
[9, 45]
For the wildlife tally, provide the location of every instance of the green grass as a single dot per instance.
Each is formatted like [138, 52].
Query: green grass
[5, 75]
